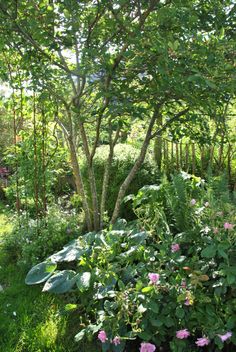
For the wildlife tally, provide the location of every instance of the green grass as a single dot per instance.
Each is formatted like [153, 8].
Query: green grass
[30, 321]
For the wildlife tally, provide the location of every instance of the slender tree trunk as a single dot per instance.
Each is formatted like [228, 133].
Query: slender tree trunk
[181, 155]
[221, 153]
[167, 155]
[79, 183]
[193, 159]
[106, 176]
[158, 145]
[211, 156]
[187, 157]
[229, 163]
[177, 155]
[172, 154]
[18, 202]
[92, 180]
[134, 169]
[44, 169]
[36, 171]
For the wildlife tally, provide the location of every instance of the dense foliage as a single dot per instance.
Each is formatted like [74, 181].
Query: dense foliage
[117, 154]
[170, 273]
[95, 67]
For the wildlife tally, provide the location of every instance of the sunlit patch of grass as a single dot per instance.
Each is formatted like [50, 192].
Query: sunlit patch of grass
[30, 320]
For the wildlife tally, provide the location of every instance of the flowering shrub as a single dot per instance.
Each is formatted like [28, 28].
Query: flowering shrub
[150, 282]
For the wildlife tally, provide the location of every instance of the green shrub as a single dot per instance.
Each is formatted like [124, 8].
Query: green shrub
[152, 279]
[31, 240]
[124, 158]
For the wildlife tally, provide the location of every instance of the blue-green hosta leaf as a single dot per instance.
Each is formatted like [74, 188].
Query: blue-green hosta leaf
[83, 280]
[67, 254]
[60, 282]
[120, 224]
[137, 238]
[40, 273]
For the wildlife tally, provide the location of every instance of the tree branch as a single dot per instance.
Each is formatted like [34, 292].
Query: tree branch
[169, 122]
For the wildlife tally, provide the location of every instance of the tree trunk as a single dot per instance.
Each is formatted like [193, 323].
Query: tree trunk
[106, 176]
[177, 155]
[158, 146]
[92, 180]
[186, 157]
[193, 159]
[79, 183]
[181, 155]
[134, 169]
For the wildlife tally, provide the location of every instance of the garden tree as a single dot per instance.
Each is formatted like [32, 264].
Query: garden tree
[104, 64]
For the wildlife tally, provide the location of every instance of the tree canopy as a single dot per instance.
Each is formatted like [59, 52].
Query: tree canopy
[98, 66]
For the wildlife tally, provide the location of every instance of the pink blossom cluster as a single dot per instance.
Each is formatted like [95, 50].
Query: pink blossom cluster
[228, 226]
[147, 347]
[201, 341]
[175, 247]
[193, 201]
[102, 336]
[154, 278]
[226, 336]
[180, 334]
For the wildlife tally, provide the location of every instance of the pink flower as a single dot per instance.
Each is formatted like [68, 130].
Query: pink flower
[102, 336]
[207, 204]
[147, 347]
[175, 247]
[187, 302]
[154, 278]
[116, 340]
[202, 341]
[182, 334]
[215, 230]
[228, 226]
[225, 336]
[193, 201]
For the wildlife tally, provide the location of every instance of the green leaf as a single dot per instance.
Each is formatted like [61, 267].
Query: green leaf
[147, 289]
[154, 307]
[231, 279]
[222, 33]
[156, 322]
[40, 273]
[144, 335]
[209, 251]
[60, 282]
[80, 335]
[83, 281]
[70, 307]
[169, 322]
[180, 312]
